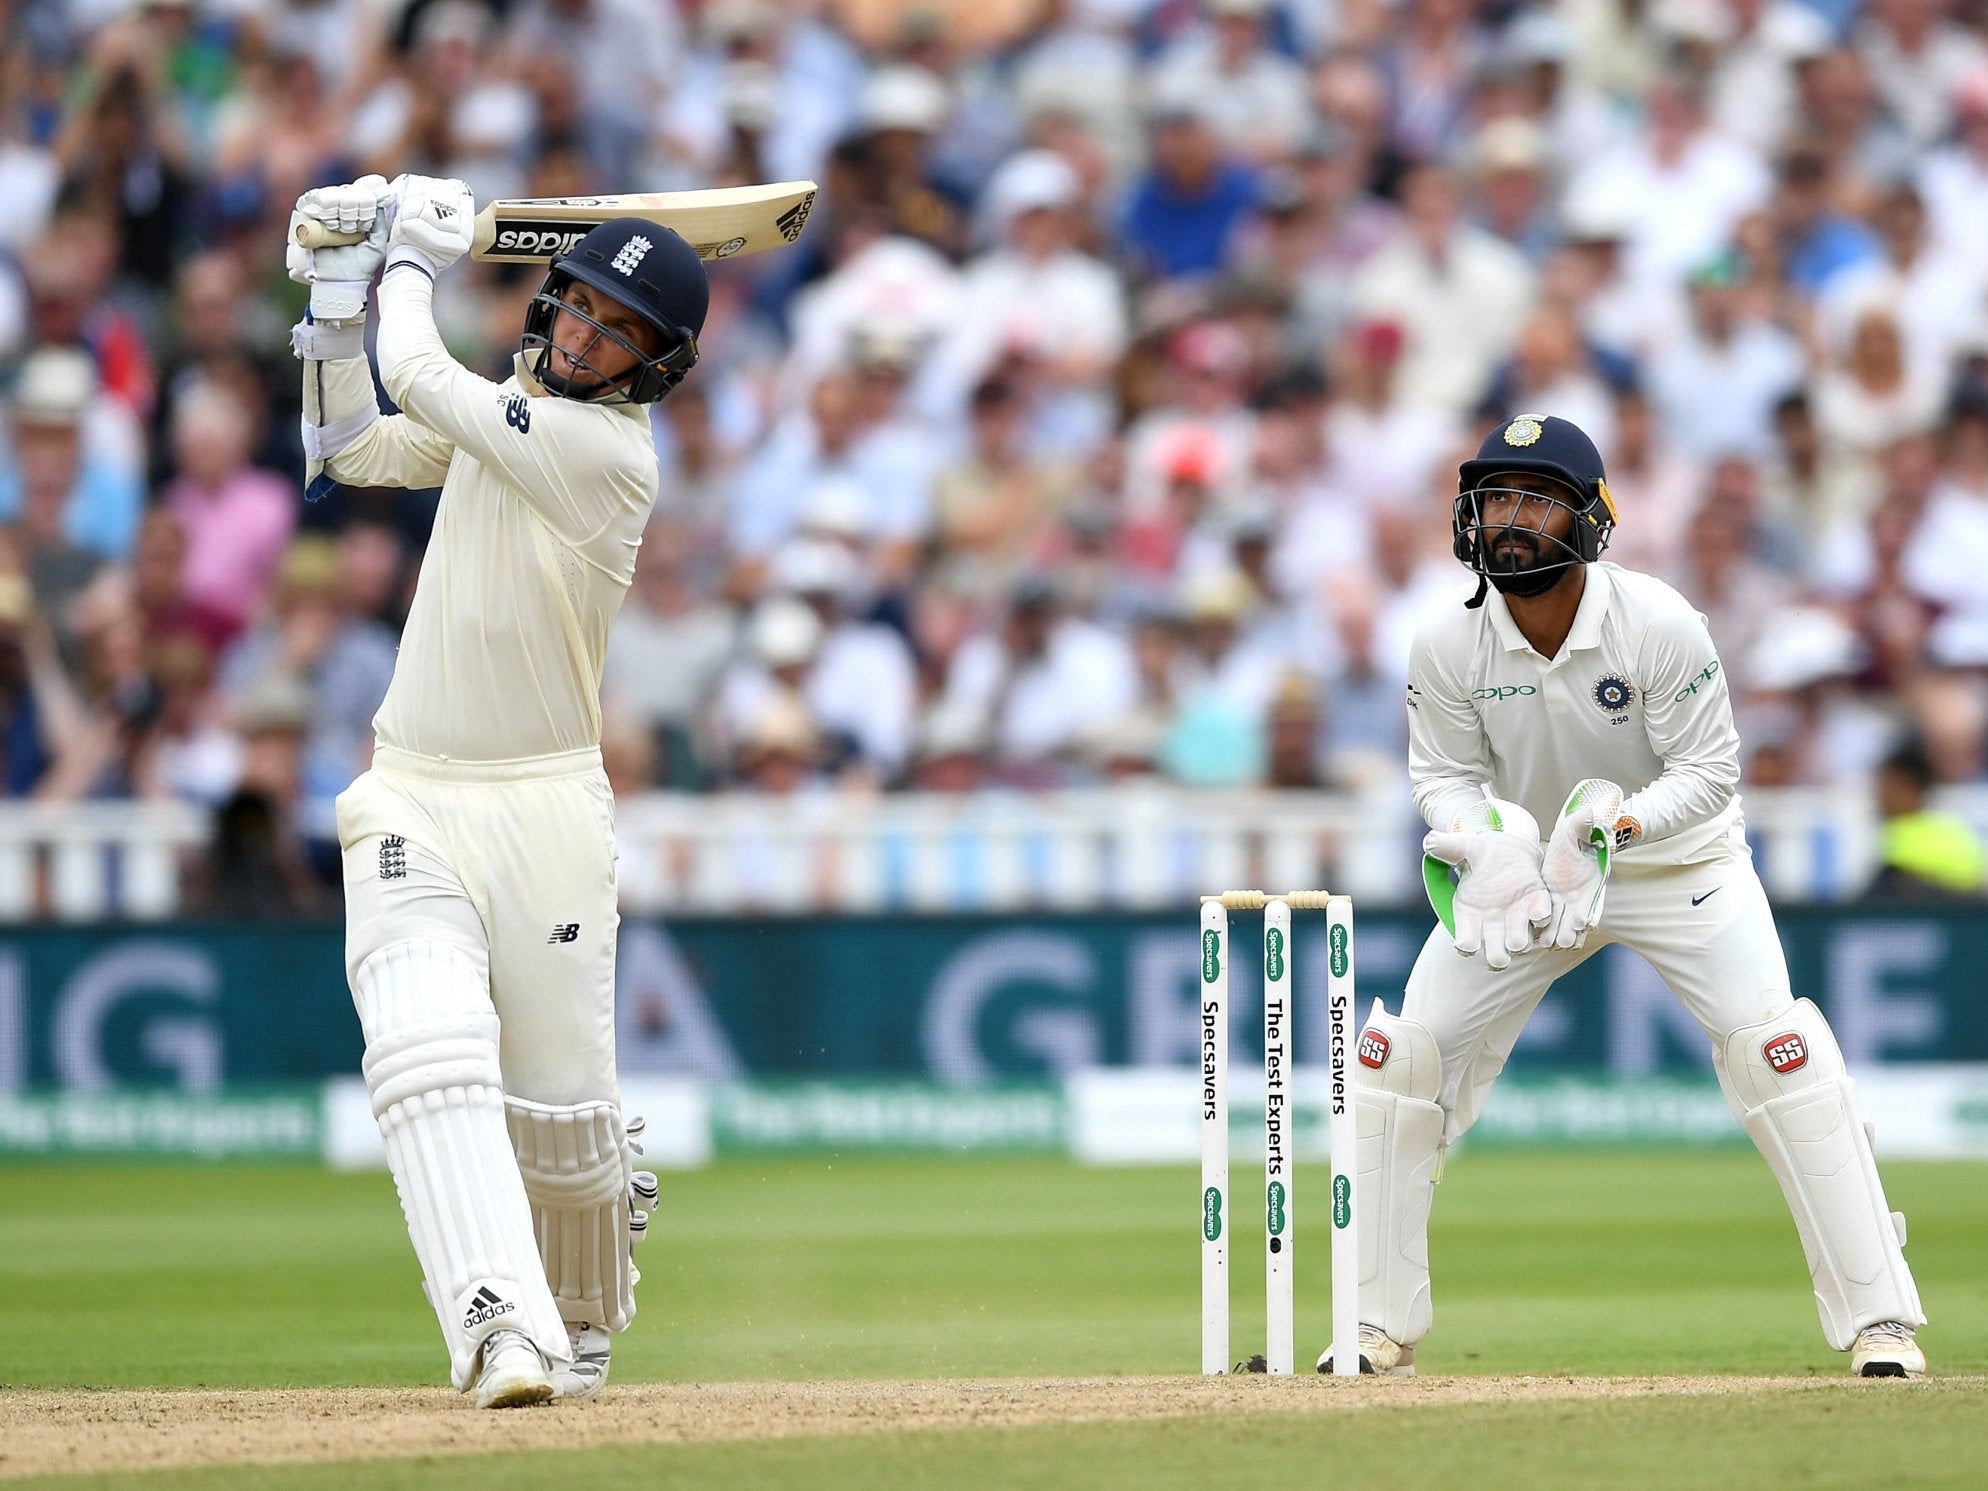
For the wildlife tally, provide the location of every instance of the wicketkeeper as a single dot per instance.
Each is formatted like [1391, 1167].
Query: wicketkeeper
[479, 862]
[1588, 698]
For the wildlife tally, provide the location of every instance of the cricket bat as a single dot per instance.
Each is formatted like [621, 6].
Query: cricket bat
[720, 224]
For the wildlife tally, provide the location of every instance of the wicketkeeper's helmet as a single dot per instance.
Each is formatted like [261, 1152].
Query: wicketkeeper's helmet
[1543, 445]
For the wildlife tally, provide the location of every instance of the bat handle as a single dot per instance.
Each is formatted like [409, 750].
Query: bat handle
[312, 234]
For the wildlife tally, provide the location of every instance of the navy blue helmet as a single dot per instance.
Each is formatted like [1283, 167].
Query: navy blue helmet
[653, 272]
[1533, 445]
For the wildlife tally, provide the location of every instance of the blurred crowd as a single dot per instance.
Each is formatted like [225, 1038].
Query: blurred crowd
[1104, 421]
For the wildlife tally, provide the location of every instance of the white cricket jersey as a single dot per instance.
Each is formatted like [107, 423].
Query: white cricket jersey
[1636, 695]
[543, 505]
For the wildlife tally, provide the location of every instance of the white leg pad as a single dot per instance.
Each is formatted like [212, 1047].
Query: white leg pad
[1397, 1079]
[1786, 1079]
[431, 1067]
[578, 1171]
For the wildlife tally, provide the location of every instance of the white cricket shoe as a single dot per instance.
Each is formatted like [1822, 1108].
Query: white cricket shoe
[1380, 1355]
[1887, 1349]
[586, 1374]
[513, 1374]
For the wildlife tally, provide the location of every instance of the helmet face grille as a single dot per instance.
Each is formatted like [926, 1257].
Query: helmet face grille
[1476, 540]
[649, 378]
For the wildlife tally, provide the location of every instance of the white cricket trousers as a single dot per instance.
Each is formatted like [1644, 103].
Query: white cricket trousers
[512, 862]
[1706, 928]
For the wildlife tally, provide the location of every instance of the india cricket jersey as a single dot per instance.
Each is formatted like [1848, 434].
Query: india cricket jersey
[1636, 695]
[543, 505]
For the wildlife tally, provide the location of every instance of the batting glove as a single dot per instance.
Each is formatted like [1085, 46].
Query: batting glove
[1575, 867]
[339, 276]
[1496, 900]
[432, 222]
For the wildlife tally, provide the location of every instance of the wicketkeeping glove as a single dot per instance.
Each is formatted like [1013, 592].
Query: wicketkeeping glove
[1498, 898]
[1575, 868]
[339, 277]
[432, 222]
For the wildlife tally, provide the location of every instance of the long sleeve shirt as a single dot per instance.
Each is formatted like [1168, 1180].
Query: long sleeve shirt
[1636, 694]
[544, 501]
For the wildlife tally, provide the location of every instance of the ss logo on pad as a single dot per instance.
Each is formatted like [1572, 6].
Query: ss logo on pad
[1786, 1053]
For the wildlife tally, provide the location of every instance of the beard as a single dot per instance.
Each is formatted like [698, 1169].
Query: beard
[1514, 566]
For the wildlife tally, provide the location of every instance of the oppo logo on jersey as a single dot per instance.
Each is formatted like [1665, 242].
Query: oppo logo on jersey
[1505, 691]
[538, 238]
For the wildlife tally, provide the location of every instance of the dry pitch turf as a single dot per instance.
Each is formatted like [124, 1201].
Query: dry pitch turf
[867, 1326]
[76, 1437]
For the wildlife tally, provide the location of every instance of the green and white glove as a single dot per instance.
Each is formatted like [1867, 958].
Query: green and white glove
[433, 222]
[1483, 880]
[339, 277]
[1577, 859]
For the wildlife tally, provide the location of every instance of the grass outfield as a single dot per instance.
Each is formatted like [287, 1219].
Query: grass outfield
[1595, 1264]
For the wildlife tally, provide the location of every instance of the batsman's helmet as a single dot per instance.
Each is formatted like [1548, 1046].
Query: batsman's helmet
[1541, 445]
[653, 272]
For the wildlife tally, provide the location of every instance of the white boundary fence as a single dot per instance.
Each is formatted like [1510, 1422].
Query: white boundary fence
[1139, 846]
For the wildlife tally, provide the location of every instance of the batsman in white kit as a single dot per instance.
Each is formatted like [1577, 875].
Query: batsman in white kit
[1589, 697]
[478, 850]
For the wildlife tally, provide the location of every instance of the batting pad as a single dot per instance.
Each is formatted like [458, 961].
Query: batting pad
[431, 1067]
[579, 1173]
[1397, 1079]
[1787, 1081]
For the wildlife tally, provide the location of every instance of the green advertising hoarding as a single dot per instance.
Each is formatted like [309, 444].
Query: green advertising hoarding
[956, 999]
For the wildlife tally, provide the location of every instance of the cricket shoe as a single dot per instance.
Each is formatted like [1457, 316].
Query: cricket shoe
[1380, 1355]
[514, 1374]
[1887, 1349]
[586, 1374]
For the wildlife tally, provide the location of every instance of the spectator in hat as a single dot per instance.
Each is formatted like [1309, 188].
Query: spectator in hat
[1509, 179]
[67, 462]
[902, 110]
[1184, 209]
[256, 866]
[1294, 736]
[1034, 293]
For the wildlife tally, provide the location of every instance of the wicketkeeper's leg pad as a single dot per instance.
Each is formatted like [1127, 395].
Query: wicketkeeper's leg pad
[1397, 1079]
[431, 1067]
[1786, 1079]
[589, 1205]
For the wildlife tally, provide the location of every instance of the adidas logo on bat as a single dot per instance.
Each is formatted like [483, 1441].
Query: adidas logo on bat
[537, 240]
[795, 218]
